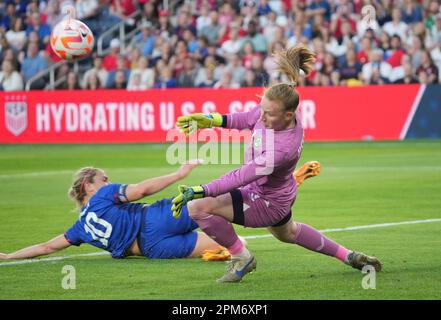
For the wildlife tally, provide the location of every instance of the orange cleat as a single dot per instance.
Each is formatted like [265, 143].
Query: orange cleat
[218, 254]
[308, 170]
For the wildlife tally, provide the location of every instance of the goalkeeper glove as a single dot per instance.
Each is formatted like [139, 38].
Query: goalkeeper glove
[195, 121]
[186, 194]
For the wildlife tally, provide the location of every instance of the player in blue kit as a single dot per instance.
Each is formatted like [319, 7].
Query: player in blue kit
[111, 221]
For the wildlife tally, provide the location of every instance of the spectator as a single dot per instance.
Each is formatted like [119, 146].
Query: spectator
[110, 61]
[10, 55]
[43, 30]
[270, 27]
[6, 21]
[165, 28]
[397, 71]
[209, 80]
[416, 52]
[120, 80]
[412, 12]
[33, 64]
[385, 43]
[98, 70]
[376, 71]
[177, 60]
[166, 80]
[210, 65]
[263, 8]
[262, 77]
[396, 53]
[10, 79]
[183, 22]
[227, 14]
[408, 76]
[135, 82]
[121, 66]
[202, 51]
[270, 64]
[366, 49]
[233, 45]
[123, 8]
[319, 7]
[342, 17]
[433, 12]
[212, 31]
[226, 81]
[145, 40]
[428, 67]
[235, 67]
[142, 77]
[150, 13]
[186, 78]
[72, 81]
[351, 68]
[256, 38]
[249, 79]
[436, 57]
[204, 19]
[191, 41]
[396, 26]
[16, 36]
[93, 81]
[384, 12]
[247, 54]
[329, 64]
[134, 54]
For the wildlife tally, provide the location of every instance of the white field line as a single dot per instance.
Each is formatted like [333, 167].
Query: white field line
[369, 226]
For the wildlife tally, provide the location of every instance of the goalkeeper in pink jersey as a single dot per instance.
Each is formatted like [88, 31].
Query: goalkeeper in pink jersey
[262, 191]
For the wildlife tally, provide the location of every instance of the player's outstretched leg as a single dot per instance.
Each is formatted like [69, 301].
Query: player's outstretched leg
[307, 170]
[312, 239]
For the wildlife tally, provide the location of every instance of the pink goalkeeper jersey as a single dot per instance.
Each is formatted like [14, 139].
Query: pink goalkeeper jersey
[270, 161]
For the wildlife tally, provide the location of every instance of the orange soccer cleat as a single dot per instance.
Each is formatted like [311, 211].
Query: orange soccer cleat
[218, 254]
[308, 170]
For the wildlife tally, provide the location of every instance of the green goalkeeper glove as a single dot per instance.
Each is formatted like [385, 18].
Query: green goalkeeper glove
[185, 194]
[192, 122]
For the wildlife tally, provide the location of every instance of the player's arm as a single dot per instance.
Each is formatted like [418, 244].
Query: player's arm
[151, 186]
[56, 244]
[240, 120]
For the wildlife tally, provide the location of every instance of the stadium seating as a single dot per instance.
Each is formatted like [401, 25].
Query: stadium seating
[223, 44]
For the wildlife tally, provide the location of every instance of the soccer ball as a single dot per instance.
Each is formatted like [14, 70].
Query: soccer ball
[71, 39]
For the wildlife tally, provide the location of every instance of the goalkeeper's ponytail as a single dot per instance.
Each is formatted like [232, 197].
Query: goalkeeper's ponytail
[290, 62]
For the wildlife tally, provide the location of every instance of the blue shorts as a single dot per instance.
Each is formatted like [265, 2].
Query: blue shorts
[164, 237]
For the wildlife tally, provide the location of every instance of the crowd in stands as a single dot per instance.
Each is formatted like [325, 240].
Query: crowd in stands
[228, 43]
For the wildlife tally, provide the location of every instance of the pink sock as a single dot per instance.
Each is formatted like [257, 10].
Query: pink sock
[221, 231]
[310, 238]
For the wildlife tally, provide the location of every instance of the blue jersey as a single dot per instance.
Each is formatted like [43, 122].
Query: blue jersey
[108, 222]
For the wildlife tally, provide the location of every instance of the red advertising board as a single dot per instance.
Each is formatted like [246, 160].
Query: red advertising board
[104, 116]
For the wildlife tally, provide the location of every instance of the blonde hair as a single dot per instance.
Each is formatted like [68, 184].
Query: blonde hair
[290, 62]
[77, 191]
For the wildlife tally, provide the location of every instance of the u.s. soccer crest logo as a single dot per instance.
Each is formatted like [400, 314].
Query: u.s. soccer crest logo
[16, 117]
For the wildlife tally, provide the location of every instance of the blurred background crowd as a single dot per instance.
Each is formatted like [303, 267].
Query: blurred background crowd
[227, 43]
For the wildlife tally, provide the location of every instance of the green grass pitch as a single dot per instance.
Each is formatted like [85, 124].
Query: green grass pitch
[361, 183]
